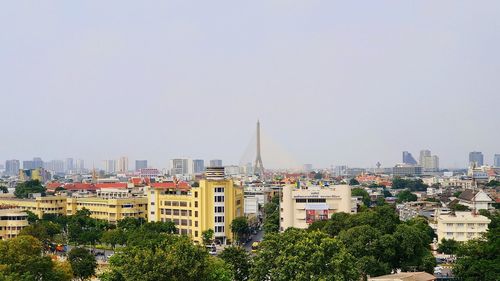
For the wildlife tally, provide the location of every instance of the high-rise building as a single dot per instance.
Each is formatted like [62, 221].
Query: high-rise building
[141, 164]
[37, 163]
[198, 166]
[496, 160]
[110, 166]
[180, 167]
[215, 163]
[12, 167]
[80, 165]
[408, 158]
[69, 164]
[123, 164]
[429, 163]
[56, 166]
[28, 165]
[476, 157]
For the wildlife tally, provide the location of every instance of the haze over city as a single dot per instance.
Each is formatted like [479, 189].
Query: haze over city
[332, 83]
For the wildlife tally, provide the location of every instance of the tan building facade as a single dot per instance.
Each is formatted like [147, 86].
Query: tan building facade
[39, 206]
[461, 226]
[12, 221]
[111, 210]
[301, 206]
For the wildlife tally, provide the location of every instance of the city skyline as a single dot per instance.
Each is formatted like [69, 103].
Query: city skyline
[331, 83]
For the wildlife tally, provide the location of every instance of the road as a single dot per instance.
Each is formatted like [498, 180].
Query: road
[256, 237]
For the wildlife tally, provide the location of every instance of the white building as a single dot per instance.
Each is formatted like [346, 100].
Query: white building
[478, 199]
[461, 226]
[123, 164]
[301, 206]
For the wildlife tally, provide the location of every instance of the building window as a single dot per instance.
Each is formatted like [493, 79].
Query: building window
[219, 198]
[219, 229]
[316, 200]
[168, 211]
[195, 233]
[219, 219]
[195, 223]
[219, 189]
[196, 194]
[176, 212]
[183, 204]
[238, 202]
[300, 200]
[219, 209]
[196, 204]
[195, 214]
[184, 212]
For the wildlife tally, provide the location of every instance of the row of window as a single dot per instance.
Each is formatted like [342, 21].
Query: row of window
[182, 222]
[219, 198]
[219, 189]
[219, 229]
[11, 227]
[175, 203]
[468, 224]
[178, 212]
[219, 219]
[310, 200]
[219, 209]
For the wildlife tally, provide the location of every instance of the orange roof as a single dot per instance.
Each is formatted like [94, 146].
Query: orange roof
[112, 185]
[79, 186]
[53, 185]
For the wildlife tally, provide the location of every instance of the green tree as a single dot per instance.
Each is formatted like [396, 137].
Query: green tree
[302, 255]
[493, 183]
[353, 181]
[387, 193]
[23, 189]
[82, 262]
[207, 236]
[239, 228]
[337, 223]
[412, 249]
[448, 246]
[130, 223]
[32, 218]
[114, 237]
[410, 184]
[238, 260]
[272, 215]
[42, 230]
[3, 189]
[21, 258]
[363, 193]
[160, 227]
[406, 196]
[459, 207]
[380, 201]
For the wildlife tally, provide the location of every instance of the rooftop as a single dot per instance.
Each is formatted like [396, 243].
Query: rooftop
[405, 276]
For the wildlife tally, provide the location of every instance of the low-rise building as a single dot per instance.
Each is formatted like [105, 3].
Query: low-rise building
[39, 205]
[109, 209]
[461, 226]
[303, 205]
[475, 199]
[12, 221]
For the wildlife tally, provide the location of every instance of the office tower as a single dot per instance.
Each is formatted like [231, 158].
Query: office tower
[496, 160]
[215, 163]
[408, 158]
[56, 166]
[37, 163]
[198, 166]
[123, 164]
[141, 164]
[179, 167]
[476, 157]
[80, 165]
[110, 166]
[12, 167]
[69, 165]
[429, 163]
[28, 165]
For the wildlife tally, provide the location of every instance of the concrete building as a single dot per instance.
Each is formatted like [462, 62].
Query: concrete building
[429, 163]
[476, 157]
[215, 163]
[461, 226]
[12, 221]
[402, 170]
[109, 209]
[123, 164]
[39, 206]
[232, 170]
[476, 199]
[69, 165]
[496, 161]
[301, 206]
[180, 167]
[110, 166]
[56, 166]
[198, 166]
[212, 205]
[141, 164]
[80, 165]
[12, 167]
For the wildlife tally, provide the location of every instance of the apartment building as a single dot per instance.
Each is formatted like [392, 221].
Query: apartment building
[212, 205]
[38, 205]
[109, 209]
[303, 205]
[12, 221]
[461, 226]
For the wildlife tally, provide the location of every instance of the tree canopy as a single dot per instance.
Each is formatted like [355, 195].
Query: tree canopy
[411, 184]
[363, 193]
[23, 189]
[82, 263]
[406, 196]
[272, 215]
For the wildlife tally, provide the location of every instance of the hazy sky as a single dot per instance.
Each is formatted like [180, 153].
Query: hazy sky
[351, 82]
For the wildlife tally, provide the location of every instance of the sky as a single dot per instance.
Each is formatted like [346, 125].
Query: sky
[332, 82]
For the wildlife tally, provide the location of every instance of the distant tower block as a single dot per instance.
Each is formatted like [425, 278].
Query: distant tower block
[258, 167]
[378, 165]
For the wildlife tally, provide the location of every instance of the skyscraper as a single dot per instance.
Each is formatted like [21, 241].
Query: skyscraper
[110, 166]
[198, 166]
[123, 164]
[179, 166]
[215, 163]
[69, 165]
[476, 157]
[141, 164]
[12, 167]
[496, 160]
[429, 163]
[408, 158]
[80, 165]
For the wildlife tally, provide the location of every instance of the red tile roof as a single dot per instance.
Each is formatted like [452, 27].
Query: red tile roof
[181, 185]
[53, 185]
[80, 186]
[112, 185]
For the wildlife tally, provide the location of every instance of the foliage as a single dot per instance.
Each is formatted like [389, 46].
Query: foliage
[430, 199]
[130, 223]
[411, 184]
[239, 227]
[82, 229]
[207, 236]
[82, 262]
[3, 189]
[493, 183]
[459, 207]
[448, 246]
[31, 217]
[380, 201]
[114, 237]
[21, 259]
[42, 230]
[238, 260]
[272, 215]
[457, 193]
[387, 193]
[23, 189]
[406, 196]
[175, 257]
[301, 255]
[363, 193]
[353, 181]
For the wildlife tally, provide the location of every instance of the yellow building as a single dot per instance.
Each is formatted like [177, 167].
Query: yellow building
[12, 221]
[461, 226]
[111, 210]
[212, 205]
[39, 205]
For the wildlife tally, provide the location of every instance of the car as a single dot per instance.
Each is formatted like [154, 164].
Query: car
[212, 250]
[438, 270]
